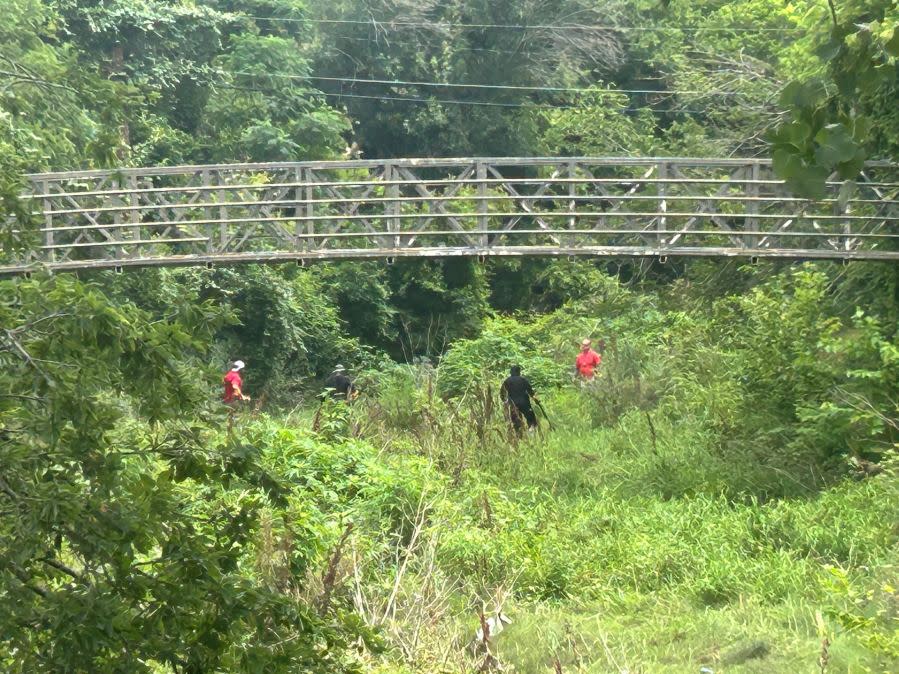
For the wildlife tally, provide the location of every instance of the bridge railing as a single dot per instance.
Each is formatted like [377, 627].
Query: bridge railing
[312, 210]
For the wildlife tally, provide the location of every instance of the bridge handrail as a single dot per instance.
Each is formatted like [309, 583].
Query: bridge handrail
[420, 162]
[435, 207]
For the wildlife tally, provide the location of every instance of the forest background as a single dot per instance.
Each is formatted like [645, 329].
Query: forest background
[724, 498]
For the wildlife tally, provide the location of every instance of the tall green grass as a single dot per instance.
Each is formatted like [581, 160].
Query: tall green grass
[703, 504]
[617, 548]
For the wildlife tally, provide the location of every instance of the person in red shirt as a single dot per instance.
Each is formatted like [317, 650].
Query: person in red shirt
[587, 360]
[233, 384]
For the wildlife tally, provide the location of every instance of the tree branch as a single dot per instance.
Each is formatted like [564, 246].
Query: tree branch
[6, 489]
[14, 345]
[59, 566]
[26, 75]
[833, 13]
[37, 321]
[26, 581]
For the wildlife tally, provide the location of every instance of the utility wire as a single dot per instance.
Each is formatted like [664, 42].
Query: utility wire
[546, 106]
[492, 104]
[417, 43]
[563, 26]
[507, 87]
[489, 104]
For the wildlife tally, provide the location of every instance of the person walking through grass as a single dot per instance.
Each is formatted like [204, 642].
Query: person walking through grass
[516, 392]
[233, 384]
[339, 385]
[587, 361]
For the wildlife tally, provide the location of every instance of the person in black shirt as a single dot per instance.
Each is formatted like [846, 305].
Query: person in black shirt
[516, 393]
[339, 385]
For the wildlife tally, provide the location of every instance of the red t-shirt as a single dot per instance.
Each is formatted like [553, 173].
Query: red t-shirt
[586, 361]
[232, 381]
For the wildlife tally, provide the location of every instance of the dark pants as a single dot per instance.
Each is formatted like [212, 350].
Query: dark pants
[519, 411]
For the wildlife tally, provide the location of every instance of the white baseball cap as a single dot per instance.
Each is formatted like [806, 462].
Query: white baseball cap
[238, 365]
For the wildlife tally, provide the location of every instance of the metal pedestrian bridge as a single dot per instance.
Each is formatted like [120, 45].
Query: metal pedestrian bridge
[307, 211]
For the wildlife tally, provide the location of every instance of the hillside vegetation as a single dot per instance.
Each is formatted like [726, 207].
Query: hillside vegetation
[723, 498]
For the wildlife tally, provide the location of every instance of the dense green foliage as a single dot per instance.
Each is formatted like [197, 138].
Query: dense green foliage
[100, 82]
[723, 496]
[844, 109]
[128, 522]
[734, 463]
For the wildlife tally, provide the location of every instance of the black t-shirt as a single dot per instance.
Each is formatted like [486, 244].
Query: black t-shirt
[340, 383]
[517, 389]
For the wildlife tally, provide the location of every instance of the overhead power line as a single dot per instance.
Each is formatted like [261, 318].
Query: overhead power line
[451, 101]
[378, 39]
[501, 87]
[492, 104]
[559, 26]
[507, 87]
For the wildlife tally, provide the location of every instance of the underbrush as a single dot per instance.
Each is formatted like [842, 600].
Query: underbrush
[709, 501]
[613, 547]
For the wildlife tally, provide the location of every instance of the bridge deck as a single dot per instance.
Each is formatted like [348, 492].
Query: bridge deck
[237, 213]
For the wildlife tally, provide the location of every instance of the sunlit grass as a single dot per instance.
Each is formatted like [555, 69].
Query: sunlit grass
[640, 546]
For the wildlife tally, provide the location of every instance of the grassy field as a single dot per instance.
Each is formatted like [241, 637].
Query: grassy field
[651, 581]
[640, 546]
[722, 499]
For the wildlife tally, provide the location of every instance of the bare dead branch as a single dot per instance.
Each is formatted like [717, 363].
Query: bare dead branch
[324, 600]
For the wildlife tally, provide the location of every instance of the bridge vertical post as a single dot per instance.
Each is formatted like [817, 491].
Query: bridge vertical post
[47, 204]
[572, 193]
[208, 214]
[752, 222]
[310, 208]
[115, 232]
[391, 176]
[223, 215]
[662, 222]
[844, 209]
[134, 203]
[297, 199]
[483, 205]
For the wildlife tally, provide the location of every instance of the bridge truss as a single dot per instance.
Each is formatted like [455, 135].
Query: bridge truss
[657, 207]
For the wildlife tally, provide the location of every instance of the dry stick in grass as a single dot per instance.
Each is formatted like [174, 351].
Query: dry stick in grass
[605, 645]
[571, 638]
[557, 665]
[458, 470]
[488, 511]
[485, 629]
[490, 662]
[328, 579]
[484, 644]
[316, 420]
[358, 596]
[825, 655]
[420, 515]
[652, 432]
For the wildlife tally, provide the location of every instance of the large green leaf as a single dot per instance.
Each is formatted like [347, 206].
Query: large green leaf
[892, 45]
[835, 145]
